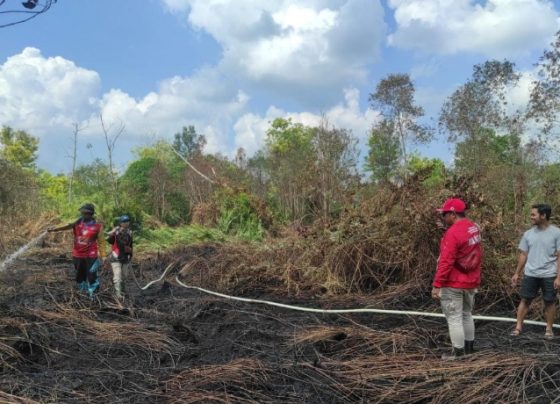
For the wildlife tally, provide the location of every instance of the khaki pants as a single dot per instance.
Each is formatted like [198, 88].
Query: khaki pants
[457, 305]
[119, 272]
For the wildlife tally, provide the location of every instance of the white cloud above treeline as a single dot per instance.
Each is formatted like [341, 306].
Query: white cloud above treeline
[250, 129]
[301, 59]
[494, 28]
[46, 95]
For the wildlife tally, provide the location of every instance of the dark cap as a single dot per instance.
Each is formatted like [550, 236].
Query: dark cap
[87, 207]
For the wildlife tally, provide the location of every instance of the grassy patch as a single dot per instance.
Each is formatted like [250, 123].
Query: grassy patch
[168, 237]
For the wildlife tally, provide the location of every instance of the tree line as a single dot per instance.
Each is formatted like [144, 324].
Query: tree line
[305, 173]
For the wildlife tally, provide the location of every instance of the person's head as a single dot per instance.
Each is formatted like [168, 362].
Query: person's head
[124, 221]
[452, 210]
[540, 213]
[87, 210]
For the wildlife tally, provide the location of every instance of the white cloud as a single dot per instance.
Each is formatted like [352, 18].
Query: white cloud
[46, 95]
[495, 28]
[38, 92]
[250, 129]
[287, 46]
[201, 100]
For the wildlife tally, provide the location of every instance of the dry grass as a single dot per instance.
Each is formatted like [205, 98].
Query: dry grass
[235, 381]
[417, 377]
[131, 335]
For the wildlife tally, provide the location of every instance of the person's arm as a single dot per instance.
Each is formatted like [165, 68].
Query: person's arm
[445, 264]
[60, 228]
[557, 280]
[521, 261]
[112, 232]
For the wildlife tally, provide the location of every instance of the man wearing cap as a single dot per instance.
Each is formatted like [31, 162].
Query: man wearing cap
[539, 250]
[88, 248]
[120, 239]
[458, 275]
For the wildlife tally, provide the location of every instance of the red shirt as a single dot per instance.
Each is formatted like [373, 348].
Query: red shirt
[85, 239]
[460, 257]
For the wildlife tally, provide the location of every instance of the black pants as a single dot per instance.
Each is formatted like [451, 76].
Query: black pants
[82, 266]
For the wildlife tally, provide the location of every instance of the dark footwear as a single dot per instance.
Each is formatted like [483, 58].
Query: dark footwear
[549, 334]
[469, 347]
[515, 333]
[455, 354]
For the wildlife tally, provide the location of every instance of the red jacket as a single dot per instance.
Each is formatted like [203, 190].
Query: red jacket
[460, 257]
[88, 240]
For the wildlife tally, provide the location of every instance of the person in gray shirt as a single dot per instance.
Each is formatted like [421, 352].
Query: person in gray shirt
[539, 250]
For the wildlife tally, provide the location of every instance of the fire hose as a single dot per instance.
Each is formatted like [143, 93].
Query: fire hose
[333, 311]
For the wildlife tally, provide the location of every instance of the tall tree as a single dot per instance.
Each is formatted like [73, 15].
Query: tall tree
[111, 133]
[481, 102]
[73, 155]
[290, 154]
[394, 97]
[383, 155]
[18, 147]
[335, 157]
[545, 96]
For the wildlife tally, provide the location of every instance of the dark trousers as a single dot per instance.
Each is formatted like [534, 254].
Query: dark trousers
[83, 274]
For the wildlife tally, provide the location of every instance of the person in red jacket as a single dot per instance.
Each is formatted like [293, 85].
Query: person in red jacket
[88, 249]
[458, 275]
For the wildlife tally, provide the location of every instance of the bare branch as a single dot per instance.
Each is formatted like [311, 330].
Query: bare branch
[191, 166]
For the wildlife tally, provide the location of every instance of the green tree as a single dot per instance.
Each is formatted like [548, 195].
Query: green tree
[430, 171]
[155, 180]
[394, 97]
[18, 147]
[136, 178]
[290, 155]
[383, 155]
[188, 142]
[479, 153]
[335, 157]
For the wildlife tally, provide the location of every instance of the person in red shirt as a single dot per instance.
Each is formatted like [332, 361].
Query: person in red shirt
[88, 249]
[458, 275]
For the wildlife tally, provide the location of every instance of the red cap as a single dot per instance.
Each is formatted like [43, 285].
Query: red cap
[453, 205]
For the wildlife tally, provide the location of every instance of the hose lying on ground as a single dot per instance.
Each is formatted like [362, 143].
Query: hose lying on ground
[334, 311]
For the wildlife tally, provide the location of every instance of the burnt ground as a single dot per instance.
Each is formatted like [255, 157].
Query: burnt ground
[170, 344]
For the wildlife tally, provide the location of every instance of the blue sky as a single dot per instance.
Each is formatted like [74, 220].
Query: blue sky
[230, 67]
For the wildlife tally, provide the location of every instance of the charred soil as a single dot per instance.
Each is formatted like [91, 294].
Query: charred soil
[170, 344]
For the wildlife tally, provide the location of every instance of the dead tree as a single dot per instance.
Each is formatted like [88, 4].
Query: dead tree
[111, 135]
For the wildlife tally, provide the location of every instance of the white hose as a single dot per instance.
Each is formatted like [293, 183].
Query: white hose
[160, 278]
[337, 311]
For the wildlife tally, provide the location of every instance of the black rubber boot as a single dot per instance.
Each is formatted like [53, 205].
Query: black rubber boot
[455, 354]
[469, 347]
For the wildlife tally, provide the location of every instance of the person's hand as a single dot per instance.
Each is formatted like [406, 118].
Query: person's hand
[557, 283]
[515, 280]
[436, 293]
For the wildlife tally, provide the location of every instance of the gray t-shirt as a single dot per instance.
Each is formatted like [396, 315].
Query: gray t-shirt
[542, 247]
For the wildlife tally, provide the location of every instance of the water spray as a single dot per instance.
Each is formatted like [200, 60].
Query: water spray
[21, 251]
